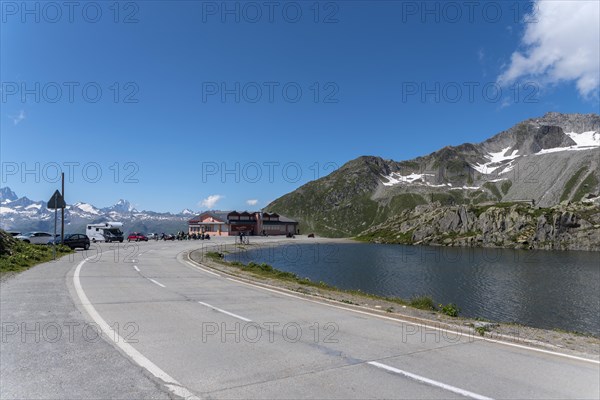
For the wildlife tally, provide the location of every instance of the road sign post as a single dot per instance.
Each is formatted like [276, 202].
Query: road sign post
[62, 210]
[54, 237]
[56, 201]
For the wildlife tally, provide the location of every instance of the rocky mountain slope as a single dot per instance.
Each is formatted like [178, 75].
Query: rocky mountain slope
[24, 215]
[567, 226]
[542, 160]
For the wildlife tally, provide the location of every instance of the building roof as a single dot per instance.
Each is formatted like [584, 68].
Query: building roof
[218, 215]
[281, 220]
[222, 216]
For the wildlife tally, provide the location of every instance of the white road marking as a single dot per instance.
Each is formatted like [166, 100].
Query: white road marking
[431, 382]
[225, 312]
[136, 268]
[418, 324]
[202, 269]
[158, 283]
[173, 385]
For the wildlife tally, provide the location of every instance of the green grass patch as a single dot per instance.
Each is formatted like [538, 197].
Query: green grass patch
[505, 186]
[450, 309]
[450, 198]
[546, 212]
[571, 184]
[404, 237]
[479, 197]
[493, 189]
[422, 303]
[25, 255]
[481, 330]
[478, 210]
[213, 255]
[405, 201]
[588, 184]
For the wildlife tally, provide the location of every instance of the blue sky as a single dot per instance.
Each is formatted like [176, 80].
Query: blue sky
[184, 105]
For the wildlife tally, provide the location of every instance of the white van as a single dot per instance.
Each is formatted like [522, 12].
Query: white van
[105, 232]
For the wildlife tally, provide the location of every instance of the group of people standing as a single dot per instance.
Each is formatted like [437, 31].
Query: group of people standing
[181, 235]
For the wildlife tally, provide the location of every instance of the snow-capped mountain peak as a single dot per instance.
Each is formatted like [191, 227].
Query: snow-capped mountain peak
[23, 214]
[7, 195]
[85, 207]
[122, 206]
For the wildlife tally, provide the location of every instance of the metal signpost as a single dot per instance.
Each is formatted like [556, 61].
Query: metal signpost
[56, 201]
[62, 210]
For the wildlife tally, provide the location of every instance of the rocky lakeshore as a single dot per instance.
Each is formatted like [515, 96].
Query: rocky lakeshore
[518, 225]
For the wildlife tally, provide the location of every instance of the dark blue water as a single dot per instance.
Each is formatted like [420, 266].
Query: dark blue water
[544, 289]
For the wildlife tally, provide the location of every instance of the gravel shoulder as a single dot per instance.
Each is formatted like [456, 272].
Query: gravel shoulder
[553, 340]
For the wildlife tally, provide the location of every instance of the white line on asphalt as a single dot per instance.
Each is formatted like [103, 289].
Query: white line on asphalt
[202, 269]
[173, 385]
[419, 324]
[158, 283]
[431, 382]
[136, 268]
[225, 312]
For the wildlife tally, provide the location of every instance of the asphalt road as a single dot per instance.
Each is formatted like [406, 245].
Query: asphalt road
[141, 321]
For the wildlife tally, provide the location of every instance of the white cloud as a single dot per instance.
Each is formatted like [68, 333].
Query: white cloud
[210, 201]
[480, 54]
[252, 202]
[16, 119]
[561, 43]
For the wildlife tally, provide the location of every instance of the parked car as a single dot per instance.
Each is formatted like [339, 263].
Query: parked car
[74, 240]
[13, 234]
[169, 237]
[35, 237]
[153, 236]
[106, 231]
[113, 235]
[136, 237]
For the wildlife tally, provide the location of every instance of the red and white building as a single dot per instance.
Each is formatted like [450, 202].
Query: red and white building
[231, 223]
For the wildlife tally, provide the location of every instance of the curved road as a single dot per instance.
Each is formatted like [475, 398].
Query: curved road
[142, 321]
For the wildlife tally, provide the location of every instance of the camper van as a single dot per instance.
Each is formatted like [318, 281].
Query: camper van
[105, 232]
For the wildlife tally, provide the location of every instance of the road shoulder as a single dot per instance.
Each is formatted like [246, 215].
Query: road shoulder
[50, 349]
[568, 343]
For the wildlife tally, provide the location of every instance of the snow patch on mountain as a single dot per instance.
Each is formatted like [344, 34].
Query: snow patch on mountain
[508, 168]
[495, 158]
[466, 188]
[395, 178]
[586, 139]
[559, 149]
[88, 208]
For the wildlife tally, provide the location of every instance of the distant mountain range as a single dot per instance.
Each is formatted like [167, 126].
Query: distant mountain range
[22, 214]
[543, 161]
